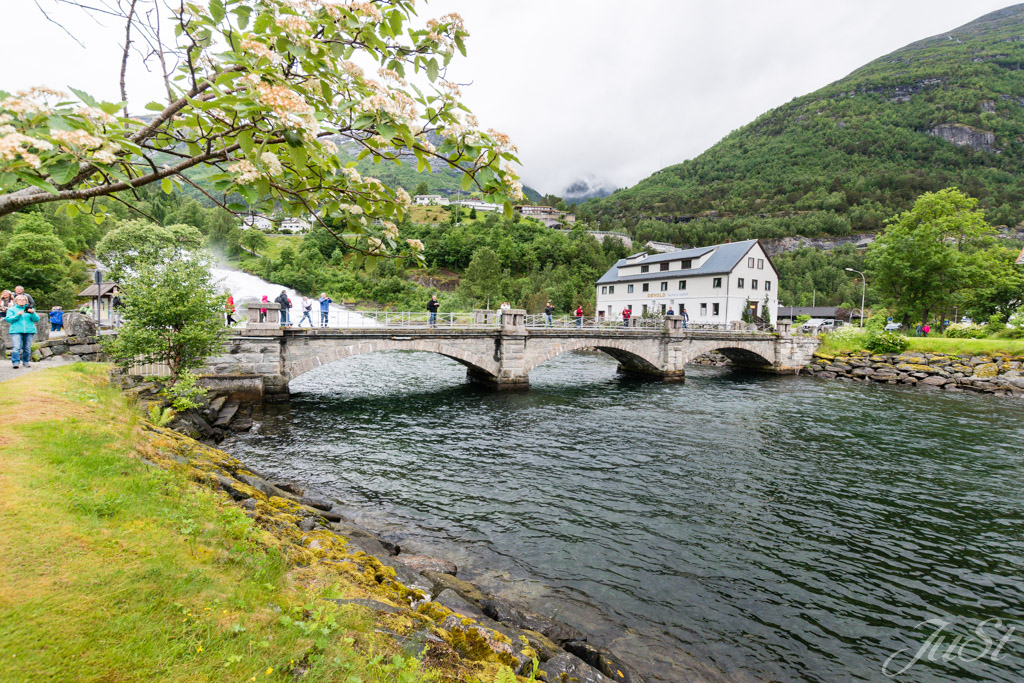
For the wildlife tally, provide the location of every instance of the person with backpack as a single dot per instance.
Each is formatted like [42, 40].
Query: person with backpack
[307, 309]
[579, 316]
[549, 311]
[432, 307]
[325, 308]
[285, 303]
[22, 319]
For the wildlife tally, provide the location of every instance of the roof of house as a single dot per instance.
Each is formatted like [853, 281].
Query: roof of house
[105, 289]
[827, 312]
[723, 260]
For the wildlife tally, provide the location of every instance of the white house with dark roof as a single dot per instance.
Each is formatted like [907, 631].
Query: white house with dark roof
[715, 284]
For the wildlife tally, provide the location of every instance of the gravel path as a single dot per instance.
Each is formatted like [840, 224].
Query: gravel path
[7, 371]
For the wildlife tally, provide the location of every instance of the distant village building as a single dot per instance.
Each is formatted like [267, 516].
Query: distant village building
[479, 205]
[268, 224]
[716, 284]
[430, 200]
[102, 300]
[824, 312]
[547, 215]
[661, 247]
[258, 221]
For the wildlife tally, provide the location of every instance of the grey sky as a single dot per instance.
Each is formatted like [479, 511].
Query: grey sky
[587, 88]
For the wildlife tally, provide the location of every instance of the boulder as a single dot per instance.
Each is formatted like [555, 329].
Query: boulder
[421, 563]
[79, 325]
[463, 588]
[935, 380]
[604, 661]
[567, 667]
[507, 613]
[318, 503]
[457, 603]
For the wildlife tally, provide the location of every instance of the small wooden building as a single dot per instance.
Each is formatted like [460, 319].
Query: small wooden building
[102, 300]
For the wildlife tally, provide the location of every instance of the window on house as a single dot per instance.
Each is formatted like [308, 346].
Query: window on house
[604, 290]
[611, 289]
[663, 309]
[645, 269]
[753, 284]
[704, 310]
[682, 284]
[687, 263]
[664, 286]
[647, 287]
[760, 264]
[644, 312]
[767, 285]
[750, 262]
[664, 266]
[739, 283]
[629, 289]
[714, 309]
[717, 283]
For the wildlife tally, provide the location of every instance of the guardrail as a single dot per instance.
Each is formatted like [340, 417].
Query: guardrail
[477, 320]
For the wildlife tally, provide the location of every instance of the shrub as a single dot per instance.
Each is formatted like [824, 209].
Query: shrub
[966, 331]
[185, 392]
[886, 342]
[801, 319]
[996, 323]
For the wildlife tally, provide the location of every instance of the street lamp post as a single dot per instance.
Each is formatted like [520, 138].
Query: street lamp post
[863, 287]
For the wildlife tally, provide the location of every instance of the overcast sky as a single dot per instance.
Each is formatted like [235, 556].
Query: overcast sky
[596, 89]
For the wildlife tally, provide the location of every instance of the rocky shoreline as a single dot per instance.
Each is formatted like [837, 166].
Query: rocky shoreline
[444, 615]
[997, 374]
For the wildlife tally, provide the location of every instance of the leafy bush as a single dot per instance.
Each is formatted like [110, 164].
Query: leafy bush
[886, 342]
[161, 418]
[185, 392]
[996, 323]
[966, 331]
[801, 319]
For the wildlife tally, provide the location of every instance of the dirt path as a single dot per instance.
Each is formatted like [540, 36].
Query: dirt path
[7, 371]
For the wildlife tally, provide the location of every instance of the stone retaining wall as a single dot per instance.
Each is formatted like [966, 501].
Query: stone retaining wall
[997, 374]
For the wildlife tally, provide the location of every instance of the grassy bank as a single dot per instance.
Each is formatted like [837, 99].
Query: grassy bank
[116, 569]
[849, 342]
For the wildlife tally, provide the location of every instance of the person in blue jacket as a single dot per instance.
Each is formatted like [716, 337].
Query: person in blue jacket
[325, 308]
[56, 319]
[22, 319]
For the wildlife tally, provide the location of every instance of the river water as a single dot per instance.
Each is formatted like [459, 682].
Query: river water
[735, 527]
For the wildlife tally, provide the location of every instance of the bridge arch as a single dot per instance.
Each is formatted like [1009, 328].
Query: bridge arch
[300, 356]
[631, 355]
[751, 354]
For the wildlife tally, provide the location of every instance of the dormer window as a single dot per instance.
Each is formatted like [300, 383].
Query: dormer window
[664, 266]
[686, 264]
[645, 269]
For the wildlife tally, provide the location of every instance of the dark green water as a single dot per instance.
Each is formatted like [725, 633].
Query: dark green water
[735, 527]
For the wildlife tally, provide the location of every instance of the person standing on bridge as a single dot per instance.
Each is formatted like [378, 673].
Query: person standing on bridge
[229, 310]
[626, 313]
[579, 316]
[671, 311]
[325, 308]
[285, 303]
[684, 315]
[263, 311]
[432, 307]
[22, 319]
[307, 310]
[549, 310]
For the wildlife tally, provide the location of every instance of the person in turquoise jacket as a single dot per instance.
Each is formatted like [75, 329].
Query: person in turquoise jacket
[23, 319]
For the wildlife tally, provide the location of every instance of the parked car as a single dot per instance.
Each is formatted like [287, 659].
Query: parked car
[818, 325]
[894, 327]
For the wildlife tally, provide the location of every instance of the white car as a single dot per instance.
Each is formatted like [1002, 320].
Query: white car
[893, 327]
[818, 325]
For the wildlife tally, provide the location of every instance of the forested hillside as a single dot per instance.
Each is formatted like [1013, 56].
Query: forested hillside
[945, 111]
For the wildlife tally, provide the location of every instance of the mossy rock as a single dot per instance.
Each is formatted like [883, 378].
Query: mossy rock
[824, 356]
[914, 367]
[986, 370]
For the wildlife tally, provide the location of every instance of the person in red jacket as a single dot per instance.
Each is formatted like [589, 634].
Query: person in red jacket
[579, 316]
[626, 314]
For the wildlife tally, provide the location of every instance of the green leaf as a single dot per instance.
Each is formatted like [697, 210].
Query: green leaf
[263, 22]
[237, 208]
[386, 130]
[63, 171]
[217, 10]
[84, 96]
[154, 106]
[167, 186]
[467, 181]
[432, 69]
[36, 181]
[242, 13]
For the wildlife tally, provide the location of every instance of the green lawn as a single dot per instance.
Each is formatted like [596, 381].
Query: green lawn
[115, 570]
[838, 344]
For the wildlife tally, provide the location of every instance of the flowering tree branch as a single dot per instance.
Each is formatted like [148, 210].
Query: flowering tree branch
[260, 95]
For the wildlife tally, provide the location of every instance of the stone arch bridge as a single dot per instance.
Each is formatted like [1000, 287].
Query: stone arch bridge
[264, 358]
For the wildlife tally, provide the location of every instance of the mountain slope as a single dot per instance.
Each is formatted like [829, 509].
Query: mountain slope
[947, 110]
